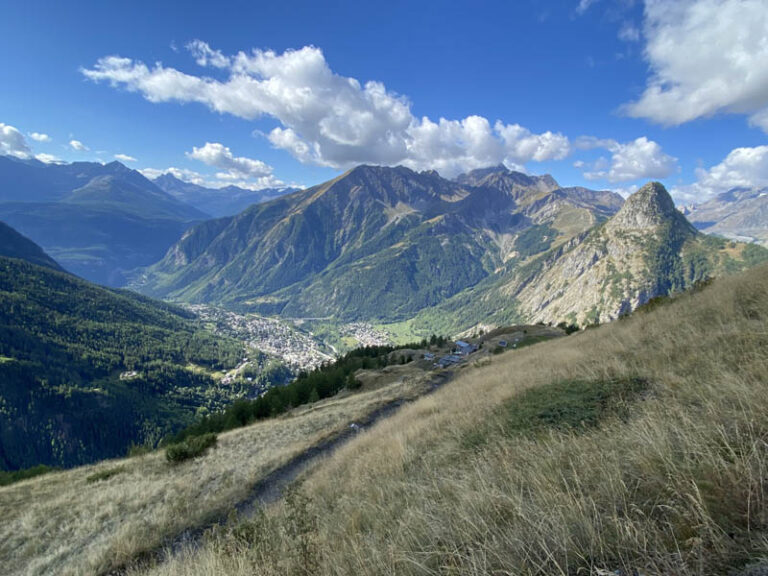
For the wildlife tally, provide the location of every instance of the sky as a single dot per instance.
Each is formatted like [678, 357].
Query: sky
[606, 94]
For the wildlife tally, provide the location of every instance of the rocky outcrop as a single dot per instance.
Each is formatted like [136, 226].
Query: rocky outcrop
[646, 250]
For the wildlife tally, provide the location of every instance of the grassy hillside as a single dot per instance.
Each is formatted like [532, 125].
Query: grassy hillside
[64, 344]
[92, 525]
[636, 447]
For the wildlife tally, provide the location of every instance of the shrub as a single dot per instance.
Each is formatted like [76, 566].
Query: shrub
[191, 448]
[353, 383]
[568, 328]
[104, 474]
[7, 478]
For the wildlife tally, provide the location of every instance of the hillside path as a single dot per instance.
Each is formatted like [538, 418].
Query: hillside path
[271, 488]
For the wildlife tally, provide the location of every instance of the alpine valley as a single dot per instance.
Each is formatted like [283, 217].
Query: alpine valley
[384, 288]
[378, 255]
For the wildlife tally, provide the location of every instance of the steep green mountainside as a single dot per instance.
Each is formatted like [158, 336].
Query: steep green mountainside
[98, 221]
[375, 243]
[87, 371]
[14, 245]
[226, 201]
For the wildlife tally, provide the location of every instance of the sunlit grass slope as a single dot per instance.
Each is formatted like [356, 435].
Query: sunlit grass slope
[91, 519]
[638, 447]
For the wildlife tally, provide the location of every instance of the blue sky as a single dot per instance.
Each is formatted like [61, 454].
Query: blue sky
[602, 93]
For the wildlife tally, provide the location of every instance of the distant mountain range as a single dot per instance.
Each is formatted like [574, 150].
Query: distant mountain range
[98, 221]
[86, 371]
[740, 213]
[220, 202]
[378, 244]
[392, 245]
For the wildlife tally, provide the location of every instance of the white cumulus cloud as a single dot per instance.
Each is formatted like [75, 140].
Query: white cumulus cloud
[39, 137]
[78, 146]
[634, 160]
[12, 142]
[706, 57]
[521, 145]
[742, 167]
[329, 119]
[220, 156]
[48, 158]
[205, 56]
[124, 158]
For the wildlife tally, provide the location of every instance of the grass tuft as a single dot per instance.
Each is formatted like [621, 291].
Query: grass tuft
[105, 474]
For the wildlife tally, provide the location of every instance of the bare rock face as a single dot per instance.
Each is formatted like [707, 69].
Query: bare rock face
[646, 209]
[634, 256]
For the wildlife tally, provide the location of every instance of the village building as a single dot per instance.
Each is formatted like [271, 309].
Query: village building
[464, 348]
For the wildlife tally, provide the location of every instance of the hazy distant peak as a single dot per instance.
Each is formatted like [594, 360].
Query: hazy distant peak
[493, 175]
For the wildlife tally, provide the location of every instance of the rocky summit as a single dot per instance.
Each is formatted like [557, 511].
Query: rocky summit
[647, 249]
[647, 209]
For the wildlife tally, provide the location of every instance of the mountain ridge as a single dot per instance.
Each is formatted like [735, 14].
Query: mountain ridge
[18, 246]
[218, 203]
[99, 221]
[739, 214]
[647, 249]
[341, 246]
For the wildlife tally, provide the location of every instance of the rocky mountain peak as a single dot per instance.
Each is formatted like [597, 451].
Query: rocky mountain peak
[649, 207]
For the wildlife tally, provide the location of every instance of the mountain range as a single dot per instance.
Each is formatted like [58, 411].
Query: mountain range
[648, 249]
[375, 243]
[739, 213]
[226, 201]
[97, 220]
[492, 246]
[87, 370]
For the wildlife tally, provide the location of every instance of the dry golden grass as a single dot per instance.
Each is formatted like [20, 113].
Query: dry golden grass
[444, 486]
[64, 523]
